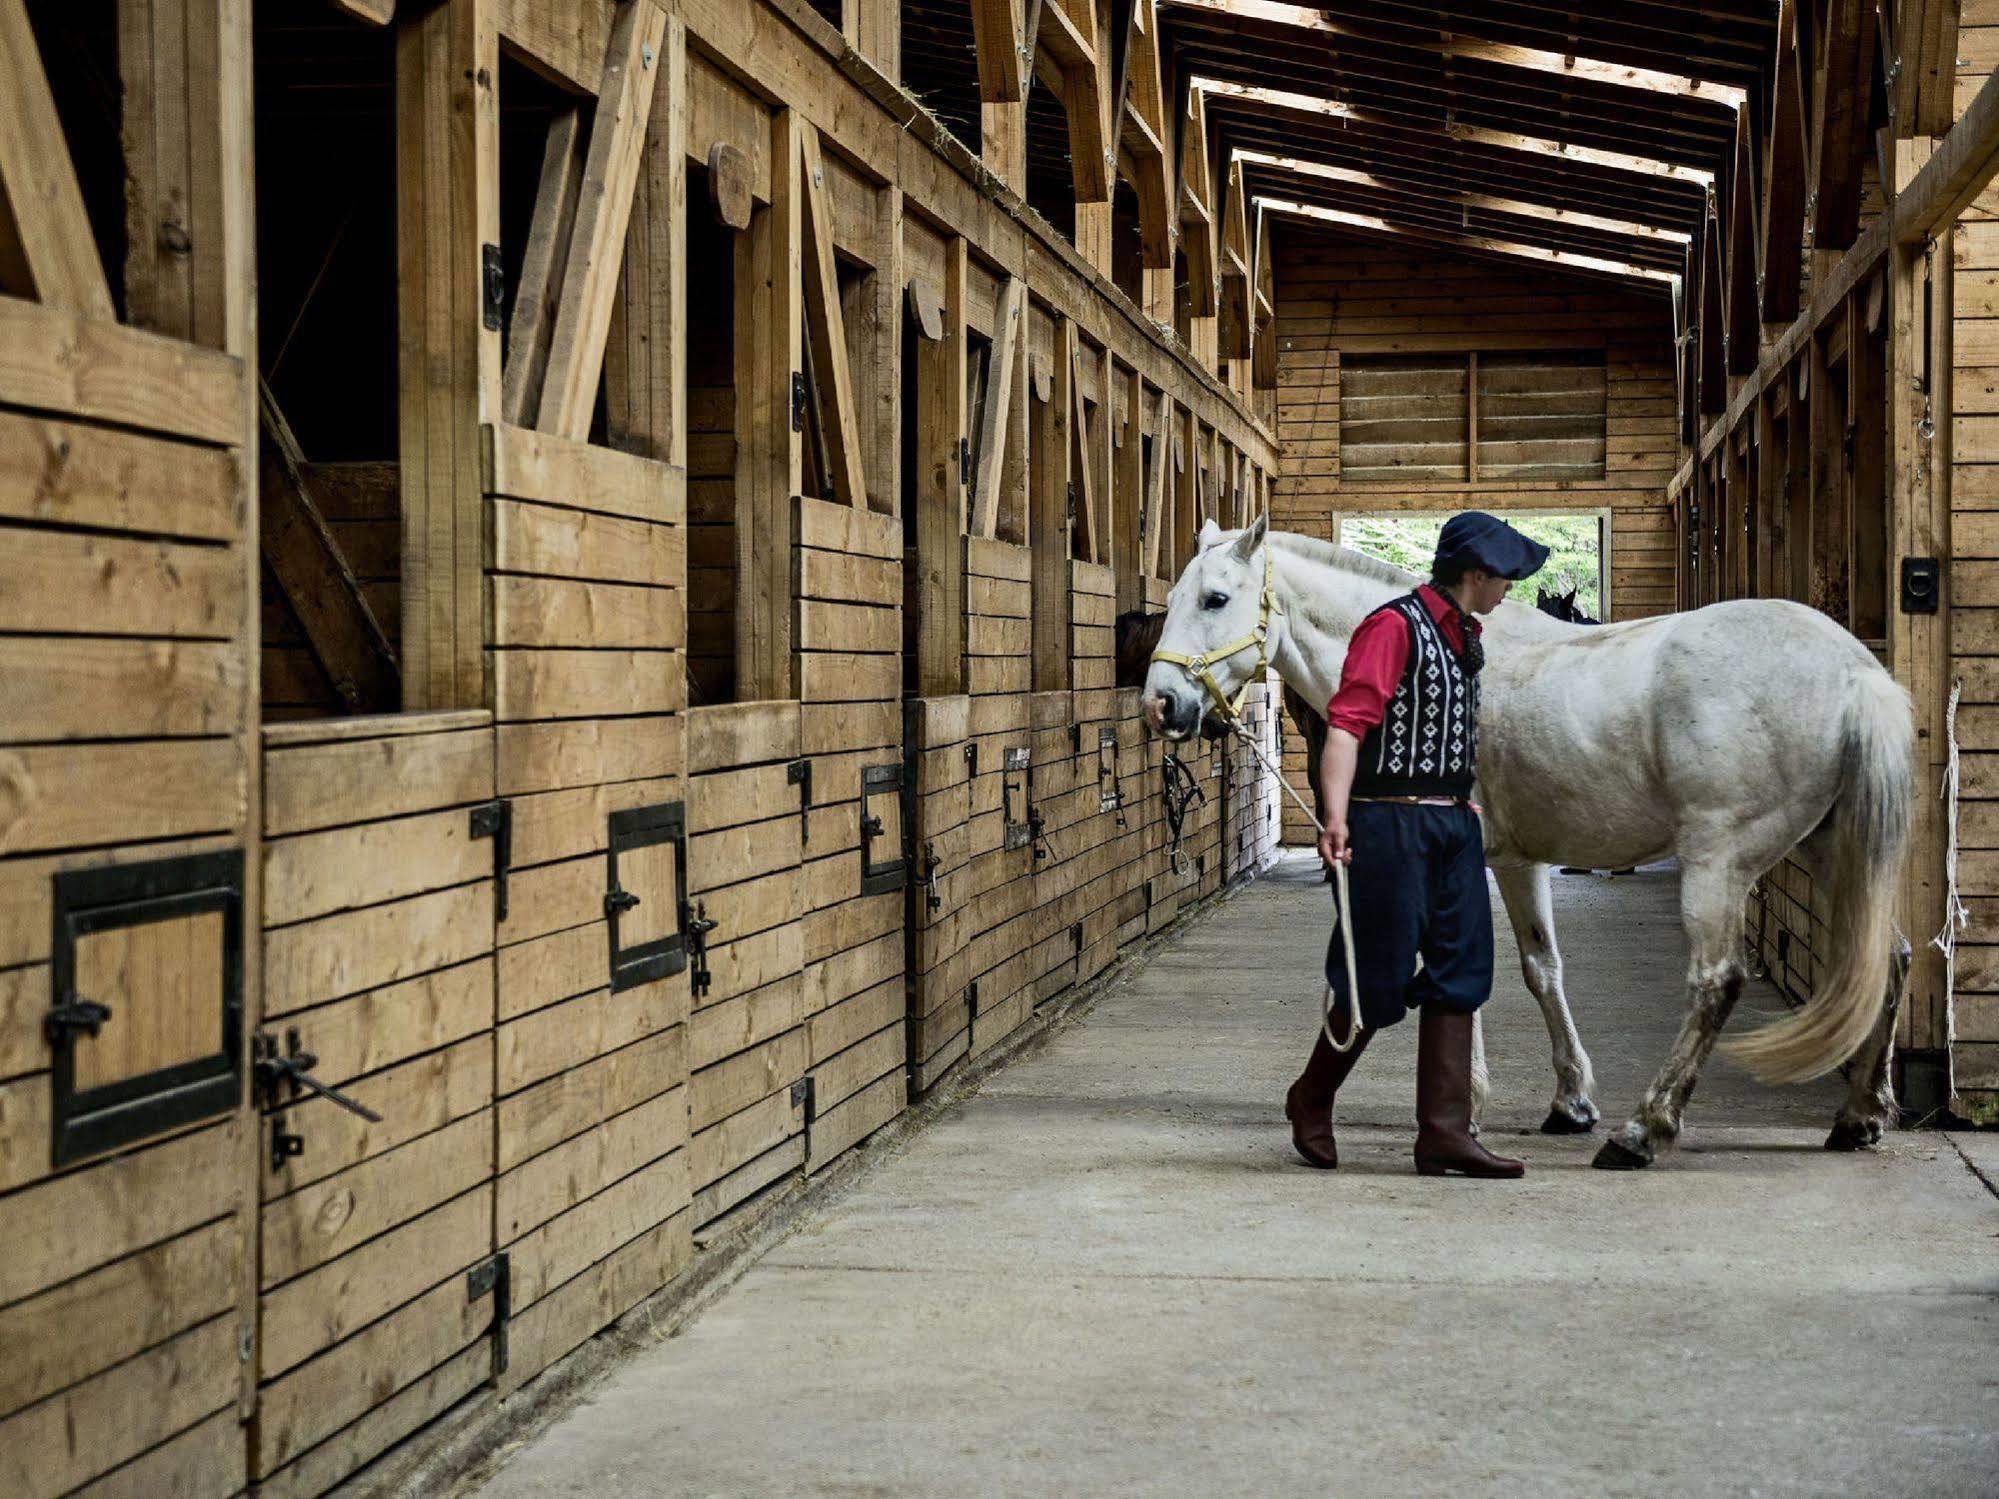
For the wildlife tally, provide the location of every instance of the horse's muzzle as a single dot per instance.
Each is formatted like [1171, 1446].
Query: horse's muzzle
[1174, 714]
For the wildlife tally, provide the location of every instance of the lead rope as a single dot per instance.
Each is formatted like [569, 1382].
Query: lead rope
[1344, 913]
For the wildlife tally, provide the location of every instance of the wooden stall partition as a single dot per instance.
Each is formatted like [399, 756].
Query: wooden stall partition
[747, 1047]
[1056, 795]
[129, 937]
[854, 802]
[379, 1307]
[588, 628]
[1001, 843]
[939, 758]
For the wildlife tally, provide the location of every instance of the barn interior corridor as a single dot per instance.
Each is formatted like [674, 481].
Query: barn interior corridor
[1104, 1272]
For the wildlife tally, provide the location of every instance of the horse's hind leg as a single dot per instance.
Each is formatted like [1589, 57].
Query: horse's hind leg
[1870, 1095]
[1530, 906]
[1711, 902]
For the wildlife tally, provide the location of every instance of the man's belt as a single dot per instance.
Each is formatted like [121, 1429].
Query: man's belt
[1420, 801]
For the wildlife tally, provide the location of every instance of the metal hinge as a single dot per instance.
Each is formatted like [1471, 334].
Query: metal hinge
[798, 400]
[494, 1277]
[492, 287]
[1075, 739]
[964, 460]
[1076, 936]
[805, 1096]
[799, 773]
[495, 820]
[971, 759]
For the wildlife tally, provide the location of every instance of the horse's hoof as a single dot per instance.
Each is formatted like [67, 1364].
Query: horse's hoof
[1617, 1156]
[1558, 1123]
[1853, 1134]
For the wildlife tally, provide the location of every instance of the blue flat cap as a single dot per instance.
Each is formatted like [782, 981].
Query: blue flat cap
[1480, 540]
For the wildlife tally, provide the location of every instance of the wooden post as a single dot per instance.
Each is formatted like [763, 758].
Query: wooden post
[1919, 490]
[940, 492]
[1126, 537]
[447, 210]
[770, 322]
[1049, 522]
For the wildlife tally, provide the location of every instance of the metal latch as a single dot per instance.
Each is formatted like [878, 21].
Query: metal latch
[932, 901]
[495, 820]
[282, 1078]
[799, 773]
[494, 1277]
[699, 924]
[1016, 828]
[798, 400]
[492, 287]
[63, 1020]
[617, 902]
[964, 460]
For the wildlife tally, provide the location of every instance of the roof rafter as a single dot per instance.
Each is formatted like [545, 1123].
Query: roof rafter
[1520, 207]
[1486, 243]
[1476, 134]
[1452, 44]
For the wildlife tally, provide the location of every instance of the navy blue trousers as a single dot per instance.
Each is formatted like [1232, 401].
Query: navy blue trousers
[1417, 886]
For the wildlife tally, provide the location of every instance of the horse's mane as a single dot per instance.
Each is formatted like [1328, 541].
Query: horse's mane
[1346, 558]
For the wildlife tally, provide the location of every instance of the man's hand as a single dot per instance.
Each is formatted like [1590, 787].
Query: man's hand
[1333, 843]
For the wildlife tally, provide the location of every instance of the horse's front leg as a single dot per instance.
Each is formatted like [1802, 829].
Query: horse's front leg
[1711, 903]
[1870, 1093]
[1530, 906]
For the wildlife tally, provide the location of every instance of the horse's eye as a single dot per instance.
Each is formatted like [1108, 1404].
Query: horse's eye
[1214, 600]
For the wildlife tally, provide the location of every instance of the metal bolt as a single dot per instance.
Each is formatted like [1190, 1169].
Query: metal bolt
[645, 55]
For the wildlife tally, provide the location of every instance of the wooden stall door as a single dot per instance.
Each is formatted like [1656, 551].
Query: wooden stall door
[377, 1303]
[1004, 845]
[940, 771]
[748, 1052]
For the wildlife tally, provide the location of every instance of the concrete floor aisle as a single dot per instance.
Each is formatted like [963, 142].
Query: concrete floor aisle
[1107, 1274]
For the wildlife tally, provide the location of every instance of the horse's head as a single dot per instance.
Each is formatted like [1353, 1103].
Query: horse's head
[1216, 620]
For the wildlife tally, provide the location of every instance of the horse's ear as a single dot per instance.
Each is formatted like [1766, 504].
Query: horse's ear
[1210, 534]
[1252, 538]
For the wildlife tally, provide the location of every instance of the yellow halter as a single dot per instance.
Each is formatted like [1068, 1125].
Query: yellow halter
[1201, 667]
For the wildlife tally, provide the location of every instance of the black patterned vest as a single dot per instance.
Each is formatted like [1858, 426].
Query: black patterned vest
[1427, 741]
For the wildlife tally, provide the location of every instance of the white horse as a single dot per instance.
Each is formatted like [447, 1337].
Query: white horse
[1729, 736]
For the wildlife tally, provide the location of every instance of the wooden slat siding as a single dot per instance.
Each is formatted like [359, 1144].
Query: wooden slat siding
[129, 729]
[844, 945]
[589, 626]
[746, 1039]
[374, 1227]
[937, 1019]
[1973, 595]
[1341, 301]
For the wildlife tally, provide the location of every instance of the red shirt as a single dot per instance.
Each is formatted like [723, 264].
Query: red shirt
[1375, 658]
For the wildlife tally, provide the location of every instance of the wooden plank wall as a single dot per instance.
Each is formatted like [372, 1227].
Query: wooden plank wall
[379, 931]
[529, 1109]
[125, 640]
[1351, 296]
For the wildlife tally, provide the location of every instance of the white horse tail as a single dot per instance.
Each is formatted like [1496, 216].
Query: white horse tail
[1870, 826]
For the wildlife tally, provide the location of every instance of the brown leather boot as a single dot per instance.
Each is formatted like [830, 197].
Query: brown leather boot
[1309, 1104]
[1444, 1140]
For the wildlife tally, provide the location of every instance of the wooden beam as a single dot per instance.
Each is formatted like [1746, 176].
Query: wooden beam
[341, 631]
[1486, 202]
[1128, 467]
[1780, 240]
[995, 421]
[1049, 522]
[603, 209]
[840, 420]
[1842, 84]
[1451, 44]
[1263, 372]
[940, 490]
[1001, 58]
[531, 325]
[447, 206]
[368, 12]
[1963, 163]
[1238, 292]
[1485, 243]
[1507, 140]
[1158, 499]
[1082, 466]
[47, 252]
[1922, 67]
[770, 335]
[1199, 230]
[1142, 137]
[1744, 322]
[1711, 369]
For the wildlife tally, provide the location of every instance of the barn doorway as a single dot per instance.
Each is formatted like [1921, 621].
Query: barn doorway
[1578, 543]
